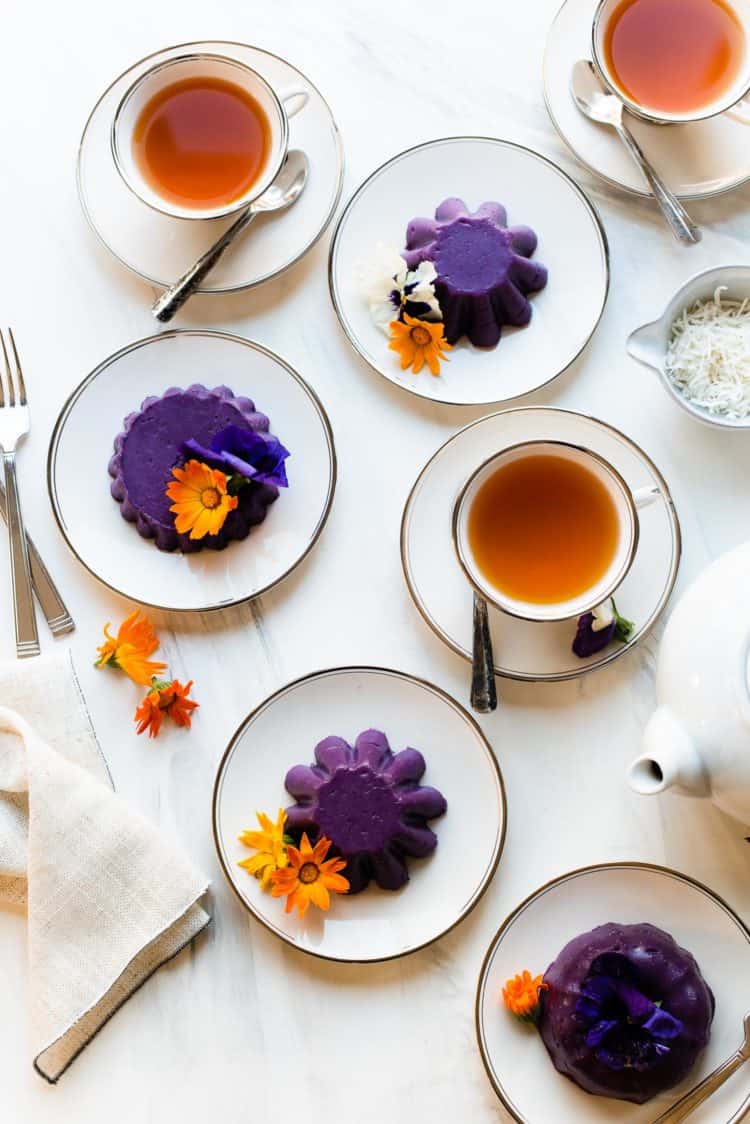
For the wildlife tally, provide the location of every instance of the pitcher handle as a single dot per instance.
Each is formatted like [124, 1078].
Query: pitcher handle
[740, 112]
[294, 99]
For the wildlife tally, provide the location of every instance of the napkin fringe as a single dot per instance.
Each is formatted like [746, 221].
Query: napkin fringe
[53, 1080]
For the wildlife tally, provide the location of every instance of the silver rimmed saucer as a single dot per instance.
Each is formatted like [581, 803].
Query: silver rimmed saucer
[111, 549]
[698, 160]
[523, 649]
[514, 1056]
[536, 192]
[443, 888]
[159, 247]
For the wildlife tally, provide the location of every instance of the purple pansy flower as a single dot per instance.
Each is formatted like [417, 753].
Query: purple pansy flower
[625, 1028]
[243, 452]
[595, 630]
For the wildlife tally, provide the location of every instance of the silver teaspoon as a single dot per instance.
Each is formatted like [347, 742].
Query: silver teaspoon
[285, 190]
[687, 1104]
[483, 689]
[596, 103]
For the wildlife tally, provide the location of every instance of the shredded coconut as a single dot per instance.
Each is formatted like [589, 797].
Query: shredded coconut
[708, 358]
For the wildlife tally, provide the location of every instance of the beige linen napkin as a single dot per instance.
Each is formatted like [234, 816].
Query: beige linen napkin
[109, 900]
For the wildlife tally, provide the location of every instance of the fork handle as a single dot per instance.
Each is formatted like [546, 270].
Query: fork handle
[48, 596]
[688, 1104]
[27, 639]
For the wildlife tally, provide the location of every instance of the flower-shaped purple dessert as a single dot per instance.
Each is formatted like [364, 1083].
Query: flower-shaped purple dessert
[625, 1011]
[483, 267]
[369, 803]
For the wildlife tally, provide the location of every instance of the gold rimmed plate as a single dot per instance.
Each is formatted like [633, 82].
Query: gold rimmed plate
[159, 247]
[515, 1058]
[111, 549]
[537, 193]
[530, 650]
[443, 888]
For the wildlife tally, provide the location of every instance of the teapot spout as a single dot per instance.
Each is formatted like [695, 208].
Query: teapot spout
[669, 760]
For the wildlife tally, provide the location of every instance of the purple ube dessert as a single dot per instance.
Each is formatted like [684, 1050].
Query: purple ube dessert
[151, 445]
[484, 274]
[369, 803]
[626, 1011]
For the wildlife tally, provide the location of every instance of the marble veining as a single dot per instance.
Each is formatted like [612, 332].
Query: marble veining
[242, 1027]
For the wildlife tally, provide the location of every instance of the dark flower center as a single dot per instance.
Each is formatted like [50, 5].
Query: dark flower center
[308, 873]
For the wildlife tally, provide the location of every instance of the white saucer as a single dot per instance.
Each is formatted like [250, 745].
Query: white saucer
[111, 549]
[374, 924]
[160, 248]
[523, 649]
[515, 1058]
[695, 160]
[537, 193]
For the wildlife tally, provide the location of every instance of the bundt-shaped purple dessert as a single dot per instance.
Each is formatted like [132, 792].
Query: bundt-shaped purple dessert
[369, 803]
[150, 446]
[626, 1012]
[483, 268]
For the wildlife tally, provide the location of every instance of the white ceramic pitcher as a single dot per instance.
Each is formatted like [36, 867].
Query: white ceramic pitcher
[698, 738]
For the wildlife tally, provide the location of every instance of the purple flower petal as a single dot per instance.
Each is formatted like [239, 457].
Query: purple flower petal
[256, 456]
[638, 1006]
[663, 1025]
[598, 1031]
[586, 641]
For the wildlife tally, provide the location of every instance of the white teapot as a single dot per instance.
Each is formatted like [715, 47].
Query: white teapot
[698, 738]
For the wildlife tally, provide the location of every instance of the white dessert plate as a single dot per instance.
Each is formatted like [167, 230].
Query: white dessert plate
[90, 519]
[537, 193]
[697, 160]
[514, 1055]
[525, 649]
[159, 248]
[443, 888]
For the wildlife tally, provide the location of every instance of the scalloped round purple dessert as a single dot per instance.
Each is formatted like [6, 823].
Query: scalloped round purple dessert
[368, 801]
[150, 447]
[626, 1012]
[484, 273]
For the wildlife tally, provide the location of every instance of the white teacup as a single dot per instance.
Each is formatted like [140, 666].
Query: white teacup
[626, 504]
[278, 107]
[731, 102]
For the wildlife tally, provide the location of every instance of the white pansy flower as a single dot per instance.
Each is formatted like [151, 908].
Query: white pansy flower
[603, 616]
[387, 284]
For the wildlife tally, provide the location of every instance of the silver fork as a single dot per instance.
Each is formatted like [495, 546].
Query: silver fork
[14, 425]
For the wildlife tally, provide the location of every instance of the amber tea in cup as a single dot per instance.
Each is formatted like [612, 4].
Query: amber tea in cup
[543, 529]
[674, 55]
[546, 530]
[202, 142]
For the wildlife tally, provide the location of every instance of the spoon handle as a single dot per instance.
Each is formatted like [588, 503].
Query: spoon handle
[682, 226]
[173, 298]
[687, 1104]
[483, 689]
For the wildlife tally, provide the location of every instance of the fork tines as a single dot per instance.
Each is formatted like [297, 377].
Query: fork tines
[16, 389]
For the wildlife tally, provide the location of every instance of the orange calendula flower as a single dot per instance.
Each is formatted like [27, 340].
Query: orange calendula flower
[202, 502]
[130, 649]
[166, 697]
[270, 844]
[419, 342]
[521, 996]
[309, 878]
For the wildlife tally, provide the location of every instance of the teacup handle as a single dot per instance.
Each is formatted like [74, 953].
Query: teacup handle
[740, 112]
[644, 497]
[294, 100]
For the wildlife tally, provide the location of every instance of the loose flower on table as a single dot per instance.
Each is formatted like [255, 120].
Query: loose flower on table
[130, 649]
[166, 699]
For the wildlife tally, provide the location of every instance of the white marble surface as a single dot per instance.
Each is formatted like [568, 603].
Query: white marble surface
[242, 1027]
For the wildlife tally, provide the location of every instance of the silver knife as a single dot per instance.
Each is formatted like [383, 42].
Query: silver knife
[53, 606]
